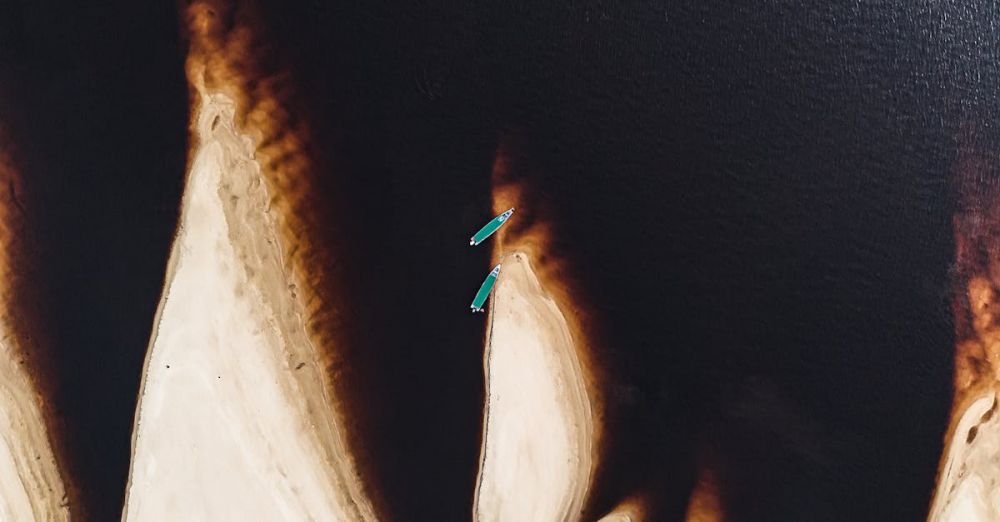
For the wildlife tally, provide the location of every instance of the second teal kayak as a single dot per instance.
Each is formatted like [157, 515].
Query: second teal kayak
[484, 291]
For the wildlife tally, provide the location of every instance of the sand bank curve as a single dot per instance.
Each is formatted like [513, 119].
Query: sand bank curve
[234, 422]
[539, 427]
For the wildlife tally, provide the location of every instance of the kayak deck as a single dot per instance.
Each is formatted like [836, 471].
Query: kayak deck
[485, 289]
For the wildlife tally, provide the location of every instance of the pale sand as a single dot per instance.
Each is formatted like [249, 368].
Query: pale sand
[234, 422]
[968, 487]
[537, 449]
[30, 484]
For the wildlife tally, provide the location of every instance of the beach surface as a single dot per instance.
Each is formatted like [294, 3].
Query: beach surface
[235, 421]
[31, 487]
[539, 425]
[967, 489]
[625, 512]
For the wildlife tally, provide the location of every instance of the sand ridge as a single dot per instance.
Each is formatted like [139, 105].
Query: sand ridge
[967, 488]
[31, 487]
[538, 440]
[234, 422]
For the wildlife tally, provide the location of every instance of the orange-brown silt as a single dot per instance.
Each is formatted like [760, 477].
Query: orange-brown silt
[542, 422]
[632, 509]
[704, 505]
[238, 416]
[969, 470]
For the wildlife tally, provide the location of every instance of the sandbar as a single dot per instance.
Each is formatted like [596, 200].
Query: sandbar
[967, 488]
[31, 487]
[234, 421]
[539, 423]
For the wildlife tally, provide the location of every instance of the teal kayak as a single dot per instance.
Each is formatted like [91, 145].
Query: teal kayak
[490, 228]
[484, 291]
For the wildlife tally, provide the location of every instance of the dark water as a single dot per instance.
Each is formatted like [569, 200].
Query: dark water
[754, 201]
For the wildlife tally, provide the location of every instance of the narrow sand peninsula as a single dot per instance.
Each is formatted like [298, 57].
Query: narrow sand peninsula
[620, 516]
[967, 489]
[703, 505]
[969, 471]
[536, 457]
[626, 512]
[30, 485]
[234, 422]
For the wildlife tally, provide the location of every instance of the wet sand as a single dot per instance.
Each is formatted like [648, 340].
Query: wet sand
[539, 428]
[30, 484]
[234, 420]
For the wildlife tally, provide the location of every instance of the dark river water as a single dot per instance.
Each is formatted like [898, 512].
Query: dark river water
[754, 204]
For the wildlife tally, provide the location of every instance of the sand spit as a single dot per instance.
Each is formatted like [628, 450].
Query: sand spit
[629, 511]
[539, 427]
[967, 488]
[620, 516]
[703, 505]
[30, 484]
[969, 470]
[234, 422]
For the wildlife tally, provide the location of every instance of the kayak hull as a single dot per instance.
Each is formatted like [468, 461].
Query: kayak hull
[485, 289]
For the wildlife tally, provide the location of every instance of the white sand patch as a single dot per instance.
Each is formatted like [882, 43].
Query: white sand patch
[967, 489]
[233, 421]
[30, 485]
[536, 457]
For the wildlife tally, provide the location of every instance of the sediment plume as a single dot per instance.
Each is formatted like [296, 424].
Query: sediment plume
[970, 465]
[32, 485]
[630, 510]
[704, 506]
[238, 417]
[541, 421]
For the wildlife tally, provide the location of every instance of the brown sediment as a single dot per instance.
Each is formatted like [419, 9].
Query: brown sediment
[542, 418]
[704, 505]
[967, 473]
[632, 509]
[39, 462]
[247, 140]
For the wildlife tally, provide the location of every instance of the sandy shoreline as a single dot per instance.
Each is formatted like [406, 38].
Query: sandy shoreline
[628, 511]
[31, 487]
[234, 421]
[971, 467]
[537, 460]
